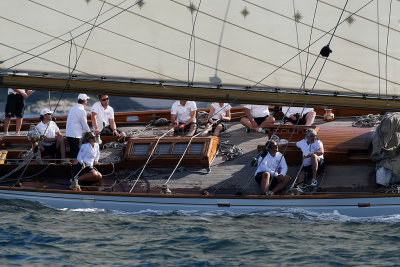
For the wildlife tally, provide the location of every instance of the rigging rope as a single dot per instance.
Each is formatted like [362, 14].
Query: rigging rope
[149, 157]
[387, 45]
[369, 121]
[192, 38]
[379, 58]
[183, 154]
[297, 39]
[309, 39]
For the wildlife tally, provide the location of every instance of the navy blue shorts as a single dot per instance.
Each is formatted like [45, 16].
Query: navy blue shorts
[260, 120]
[222, 123]
[273, 181]
[74, 146]
[187, 126]
[308, 169]
[302, 119]
[15, 106]
[49, 150]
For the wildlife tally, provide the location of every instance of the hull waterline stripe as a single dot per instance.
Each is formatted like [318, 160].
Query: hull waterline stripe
[195, 204]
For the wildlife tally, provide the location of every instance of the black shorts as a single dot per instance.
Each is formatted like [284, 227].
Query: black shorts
[308, 169]
[78, 169]
[107, 131]
[187, 126]
[273, 180]
[74, 146]
[260, 120]
[222, 123]
[49, 150]
[302, 120]
[15, 106]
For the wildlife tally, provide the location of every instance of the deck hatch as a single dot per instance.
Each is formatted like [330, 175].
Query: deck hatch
[163, 148]
[196, 148]
[168, 151]
[179, 148]
[140, 149]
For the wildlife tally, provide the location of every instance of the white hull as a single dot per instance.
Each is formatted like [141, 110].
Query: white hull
[349, 206]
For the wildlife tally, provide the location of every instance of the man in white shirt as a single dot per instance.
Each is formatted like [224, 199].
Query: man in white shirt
[15, 107]
[219, 114]
[77, 124]
[313, 157]
[272, 169]
[183, 117]
[103, 118]
[53, 140]
[298, 116]
[257, 118]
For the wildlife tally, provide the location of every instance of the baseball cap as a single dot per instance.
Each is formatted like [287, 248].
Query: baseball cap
[45, 111]
[83, 97]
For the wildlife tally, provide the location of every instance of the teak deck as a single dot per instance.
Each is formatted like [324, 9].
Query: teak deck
[349, 168]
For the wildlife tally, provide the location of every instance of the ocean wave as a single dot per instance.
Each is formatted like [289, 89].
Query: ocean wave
[295, 214]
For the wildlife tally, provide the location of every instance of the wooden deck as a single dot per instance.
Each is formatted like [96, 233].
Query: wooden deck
[349, 168]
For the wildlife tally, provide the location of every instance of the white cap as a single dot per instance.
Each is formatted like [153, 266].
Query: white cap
[83, 97]
[45, 111]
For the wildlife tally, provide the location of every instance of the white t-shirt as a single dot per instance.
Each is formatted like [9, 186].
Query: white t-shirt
[309, 148]
[220, 110]
[183, 112]
[77, 122]
[11, 91]
[273, 165]
[258, 111]
[50, 132]
[88, 154]
[293, 110]
[103, 115]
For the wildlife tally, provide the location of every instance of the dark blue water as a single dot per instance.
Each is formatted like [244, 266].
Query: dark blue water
[34, 235]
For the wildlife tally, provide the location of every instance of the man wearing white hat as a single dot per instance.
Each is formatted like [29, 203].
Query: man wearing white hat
[53, 140]
[77, 125]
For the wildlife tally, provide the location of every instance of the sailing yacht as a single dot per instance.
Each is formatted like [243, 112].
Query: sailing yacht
[314, 53]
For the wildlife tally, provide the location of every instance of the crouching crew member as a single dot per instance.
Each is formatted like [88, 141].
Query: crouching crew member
[88, 156]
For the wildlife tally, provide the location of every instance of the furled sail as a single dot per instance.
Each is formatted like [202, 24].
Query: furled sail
[249, 43]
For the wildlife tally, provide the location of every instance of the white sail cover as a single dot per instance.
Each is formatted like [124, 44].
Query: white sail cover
[249, 43]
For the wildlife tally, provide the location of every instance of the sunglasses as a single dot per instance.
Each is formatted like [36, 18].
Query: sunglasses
[104, 99]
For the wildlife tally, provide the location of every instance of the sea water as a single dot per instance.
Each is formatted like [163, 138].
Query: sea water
[35, 235]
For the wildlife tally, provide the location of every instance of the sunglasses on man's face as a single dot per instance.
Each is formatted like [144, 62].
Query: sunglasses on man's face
[104, 99]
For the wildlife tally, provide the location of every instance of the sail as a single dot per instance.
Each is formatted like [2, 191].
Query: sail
[249, 43]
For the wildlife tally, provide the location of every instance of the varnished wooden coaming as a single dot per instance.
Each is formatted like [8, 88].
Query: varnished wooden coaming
[342, 145]
[124, 119]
